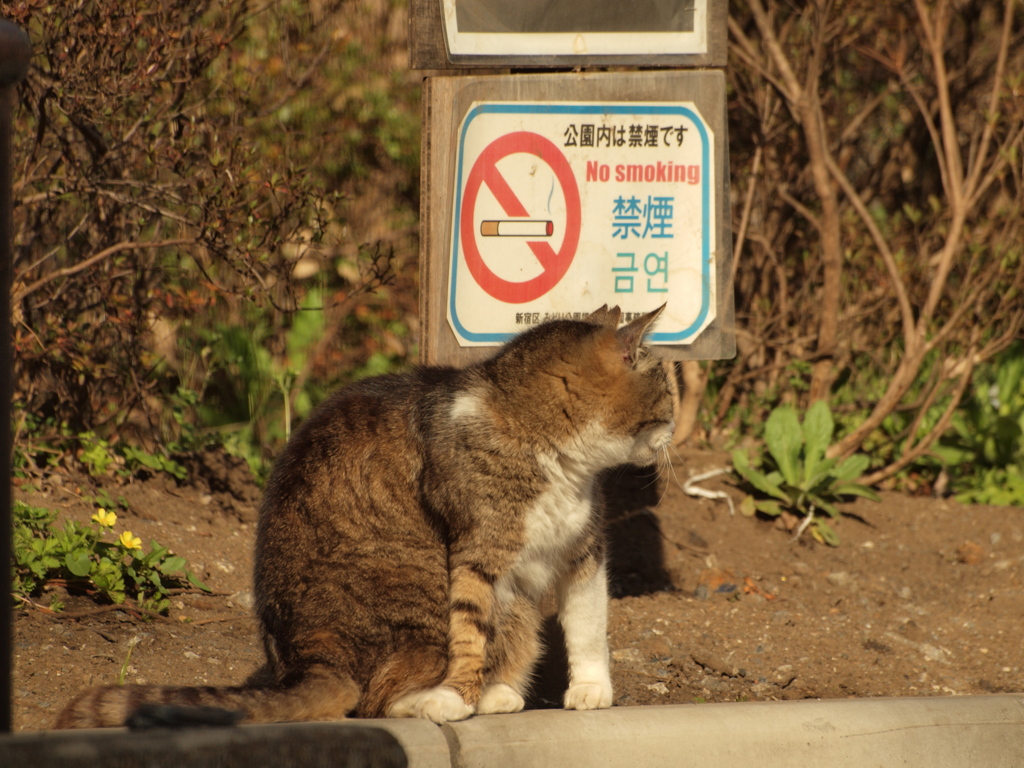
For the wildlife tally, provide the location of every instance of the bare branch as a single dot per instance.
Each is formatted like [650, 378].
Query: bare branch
[993, 104]
[950, 147]
[906, 312]
[793, 90]
[106, 253]
[745, 51]
[799, 207]
[741, 234]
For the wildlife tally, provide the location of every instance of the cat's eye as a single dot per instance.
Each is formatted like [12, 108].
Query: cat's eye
[650, 424]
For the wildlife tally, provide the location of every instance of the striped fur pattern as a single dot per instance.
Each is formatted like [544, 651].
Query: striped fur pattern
[414, 522]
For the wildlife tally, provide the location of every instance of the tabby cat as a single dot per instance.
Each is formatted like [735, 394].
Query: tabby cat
[414, 522]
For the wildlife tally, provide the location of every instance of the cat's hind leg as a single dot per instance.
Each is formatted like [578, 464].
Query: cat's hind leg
[440, 704]
[471, 617]
[408, 685]
[500, 698]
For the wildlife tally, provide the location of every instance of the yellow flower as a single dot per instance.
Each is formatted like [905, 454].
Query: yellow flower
[130, 542]
[104, 518]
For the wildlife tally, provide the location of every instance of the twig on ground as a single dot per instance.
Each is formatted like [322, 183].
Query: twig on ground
[234, 617]
[803, 526]
[690, 487]
[127, 607]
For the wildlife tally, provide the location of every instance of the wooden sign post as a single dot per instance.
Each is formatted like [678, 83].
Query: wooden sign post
[546, 195]
[15, 53]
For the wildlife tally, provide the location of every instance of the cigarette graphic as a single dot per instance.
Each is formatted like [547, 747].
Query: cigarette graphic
[517, 228]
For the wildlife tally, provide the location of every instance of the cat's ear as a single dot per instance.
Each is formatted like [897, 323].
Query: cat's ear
[629, 336]
[605, 316]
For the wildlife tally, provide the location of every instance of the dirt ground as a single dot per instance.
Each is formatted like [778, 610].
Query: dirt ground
[923, 598]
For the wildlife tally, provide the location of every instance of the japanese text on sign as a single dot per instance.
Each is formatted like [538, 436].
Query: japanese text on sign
[590, 135]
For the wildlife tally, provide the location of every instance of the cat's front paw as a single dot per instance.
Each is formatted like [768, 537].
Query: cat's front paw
[589, 696]
[499, 699]
[441, 705]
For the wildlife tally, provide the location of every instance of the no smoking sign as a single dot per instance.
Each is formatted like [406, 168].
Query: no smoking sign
[514, 222]
[560, 208]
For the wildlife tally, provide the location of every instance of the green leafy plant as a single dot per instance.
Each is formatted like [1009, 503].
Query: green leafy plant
[102, 498]
[253, 396]
[137, 458]
[99, 457]
[985, 451]
[78, 557]
[795, 476]
[95, 453]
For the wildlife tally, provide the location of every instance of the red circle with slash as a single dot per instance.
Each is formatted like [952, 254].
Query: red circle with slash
[485, 171]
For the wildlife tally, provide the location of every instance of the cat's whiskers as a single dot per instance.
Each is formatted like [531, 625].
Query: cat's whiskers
[661, 458]
[675, 449]
[670, 465]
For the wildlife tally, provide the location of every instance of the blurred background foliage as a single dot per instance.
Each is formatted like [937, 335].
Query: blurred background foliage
[216, 211]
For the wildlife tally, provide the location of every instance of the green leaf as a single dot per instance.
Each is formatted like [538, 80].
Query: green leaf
[1009, 377]
[823, 478]
[173, 564]
[747, 506]
[78, 563]
[823, 532]
[784, 438]
[156, 604]
[196, 582]
[157, 462]
[307, 328]
[824, 505]
[139, 456]
[769, 507]
[856, 489]
[818, 428]
[950, 455]
[852, 468]
[130, 571]
[175, 469]
[741, 463]
[1002, 442]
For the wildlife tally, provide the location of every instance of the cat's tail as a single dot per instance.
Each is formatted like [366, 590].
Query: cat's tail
[316, 698]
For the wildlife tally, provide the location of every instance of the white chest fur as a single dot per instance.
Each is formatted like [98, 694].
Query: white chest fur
[554, 524]
[564, 511]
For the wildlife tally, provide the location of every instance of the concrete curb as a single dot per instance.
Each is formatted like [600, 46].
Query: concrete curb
[846, 733]
[984, 731]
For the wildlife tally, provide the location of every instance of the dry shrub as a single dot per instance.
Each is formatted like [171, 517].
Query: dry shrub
[186, 165]
[877, 155]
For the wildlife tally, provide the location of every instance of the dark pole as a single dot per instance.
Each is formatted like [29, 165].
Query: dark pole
[14, 56]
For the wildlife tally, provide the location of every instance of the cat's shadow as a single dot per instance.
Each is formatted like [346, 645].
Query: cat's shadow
[635, 557]
[636, 567]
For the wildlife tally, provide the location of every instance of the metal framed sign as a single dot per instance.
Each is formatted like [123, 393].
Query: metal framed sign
[574, 27]
[546, 196]
[561, 207]
[544, 34]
